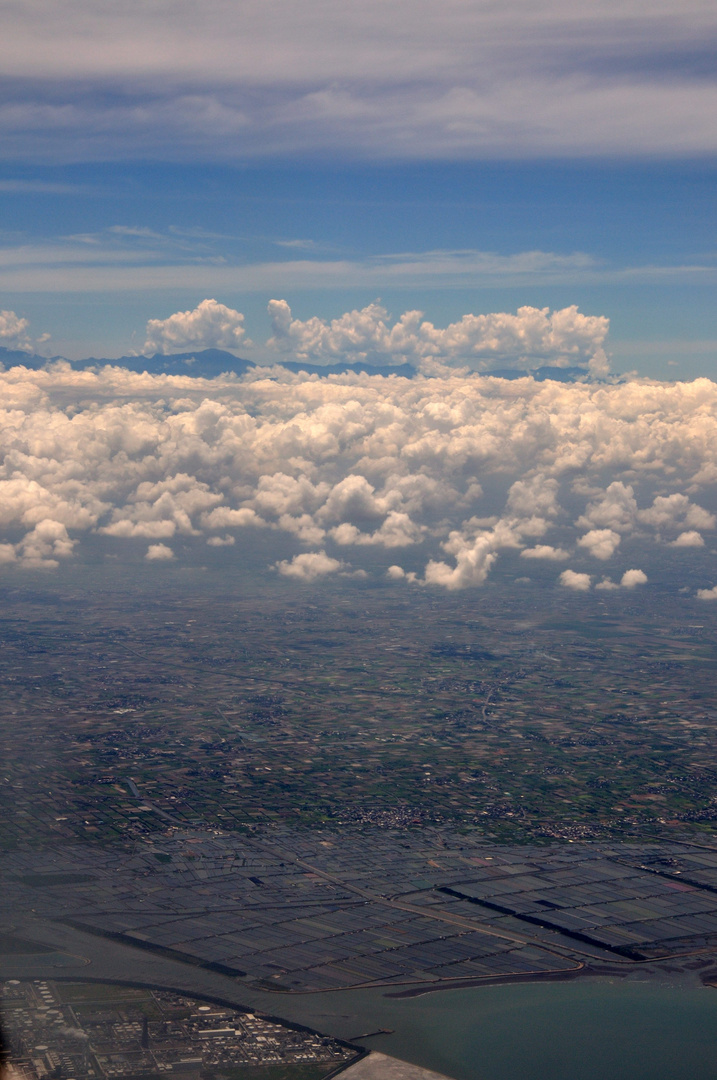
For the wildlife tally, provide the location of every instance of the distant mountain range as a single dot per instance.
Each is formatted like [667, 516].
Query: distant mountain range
[205, 362]
[208, 363]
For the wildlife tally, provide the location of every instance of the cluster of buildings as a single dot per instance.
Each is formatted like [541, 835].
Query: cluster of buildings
[90, 1031]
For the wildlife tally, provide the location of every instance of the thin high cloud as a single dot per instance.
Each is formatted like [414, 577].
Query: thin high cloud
[413, 79]
[131, 259]
[424, 482]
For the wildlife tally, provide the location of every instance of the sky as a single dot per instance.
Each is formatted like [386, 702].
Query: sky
[458, 158]
[459, 186]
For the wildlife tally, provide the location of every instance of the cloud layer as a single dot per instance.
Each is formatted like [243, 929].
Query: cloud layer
[448, 474]
[130, 259]
[406, 79]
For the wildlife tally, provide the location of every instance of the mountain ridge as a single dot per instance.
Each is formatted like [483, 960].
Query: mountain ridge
[209, 363]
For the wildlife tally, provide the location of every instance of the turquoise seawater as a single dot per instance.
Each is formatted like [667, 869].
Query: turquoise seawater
[593, 1029]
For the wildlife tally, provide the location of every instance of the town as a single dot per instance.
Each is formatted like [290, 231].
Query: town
[97, 1031]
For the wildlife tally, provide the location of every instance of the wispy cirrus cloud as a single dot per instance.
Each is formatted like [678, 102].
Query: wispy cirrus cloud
[40, 187]
[135, 258]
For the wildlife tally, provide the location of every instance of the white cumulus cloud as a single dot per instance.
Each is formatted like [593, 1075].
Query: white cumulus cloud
[159, 552]
[616, 509]
[688, 539]
[600, 543]
[530, 338]
[571, 579]
[473, 560]
[466, 472]
[631, 578]
[14, 331]
[45, 544]
[674, 511]
[221, 541]
[309, 566]
[545, 551]
[209, 326]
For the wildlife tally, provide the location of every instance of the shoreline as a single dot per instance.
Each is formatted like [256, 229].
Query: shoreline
[706, 978]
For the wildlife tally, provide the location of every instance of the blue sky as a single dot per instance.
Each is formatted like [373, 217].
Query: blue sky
[449, 157]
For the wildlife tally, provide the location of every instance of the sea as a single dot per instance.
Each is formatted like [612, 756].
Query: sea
[587, 1029]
